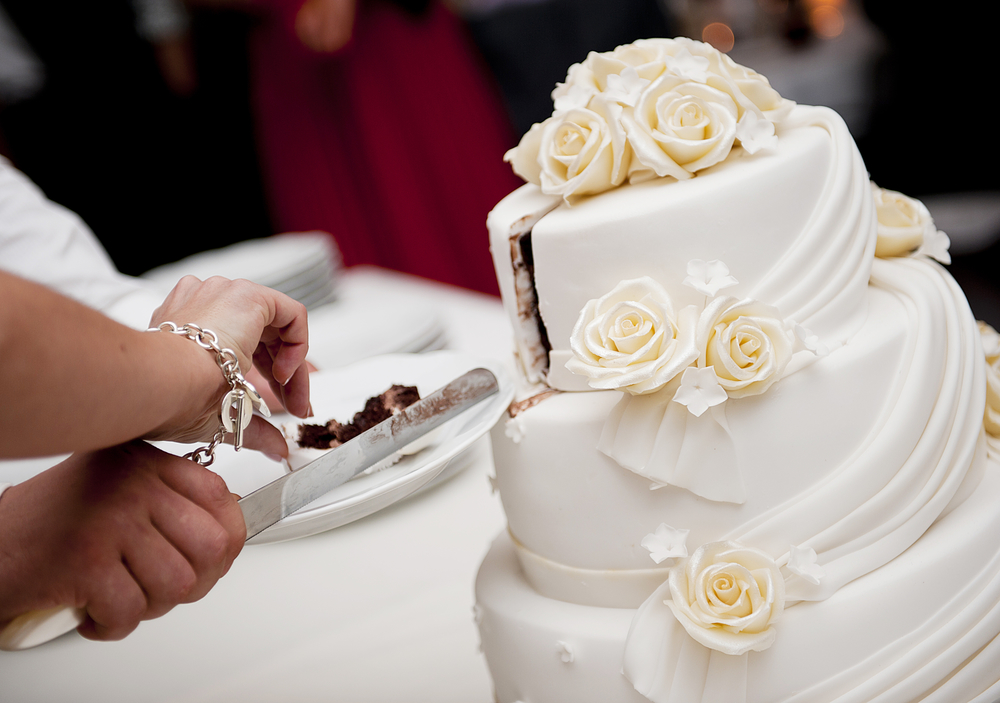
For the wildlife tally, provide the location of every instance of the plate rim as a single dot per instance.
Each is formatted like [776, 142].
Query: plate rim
[418, 476]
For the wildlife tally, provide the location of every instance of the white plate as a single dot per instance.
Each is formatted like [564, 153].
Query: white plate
[342, 392]
[347, 331]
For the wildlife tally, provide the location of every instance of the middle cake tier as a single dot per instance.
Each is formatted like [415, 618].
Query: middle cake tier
[854, 455]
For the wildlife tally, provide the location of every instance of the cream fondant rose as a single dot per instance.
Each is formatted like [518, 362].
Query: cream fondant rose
[727, 596]
[749, 89]
[571, 154]
[903, 223]
[991, 347]
[631, 339]
[584, 80]
[754, 86]
[746, 342]
[690, 123]
[680, 127]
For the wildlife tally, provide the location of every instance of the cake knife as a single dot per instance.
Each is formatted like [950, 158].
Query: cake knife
[288, 494]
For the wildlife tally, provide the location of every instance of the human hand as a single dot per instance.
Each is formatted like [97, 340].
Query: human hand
[273, 402]
[264, 328]
[325, 25]
[126, 533]
[175, 58]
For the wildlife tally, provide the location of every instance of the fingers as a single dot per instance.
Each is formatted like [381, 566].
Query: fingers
[116, 607]
[192, 533]
[211, 531]
[260, 435]
[163, 572]
[287, 338]
[295, 393]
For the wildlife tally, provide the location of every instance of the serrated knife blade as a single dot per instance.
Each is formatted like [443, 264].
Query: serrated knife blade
[288, 494]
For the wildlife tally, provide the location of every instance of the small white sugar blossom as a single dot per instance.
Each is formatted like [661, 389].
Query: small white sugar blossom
[700, 390]
[802, 561]
[708, 277]
[574, 96]
[666, 543]
[514, 429]
[625, 87]
[755, 133]
[565, 651]
[935, 245]
[809, 341]
[686, 65]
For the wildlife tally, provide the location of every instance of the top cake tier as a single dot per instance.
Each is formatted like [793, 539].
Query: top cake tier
[666, 152]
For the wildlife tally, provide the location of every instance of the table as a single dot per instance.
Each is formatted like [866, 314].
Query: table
[377, 611]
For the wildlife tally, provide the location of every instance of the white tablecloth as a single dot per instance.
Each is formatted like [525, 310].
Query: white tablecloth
[377, 611]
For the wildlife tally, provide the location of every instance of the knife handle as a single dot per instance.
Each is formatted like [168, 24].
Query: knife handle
[40, 626]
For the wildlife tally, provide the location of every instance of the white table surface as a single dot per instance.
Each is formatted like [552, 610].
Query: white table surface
[377, 611]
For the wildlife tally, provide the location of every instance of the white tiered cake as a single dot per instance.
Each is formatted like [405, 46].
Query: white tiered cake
[748, 460]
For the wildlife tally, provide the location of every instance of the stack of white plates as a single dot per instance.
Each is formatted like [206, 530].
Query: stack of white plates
[350, 330]
[303, 265]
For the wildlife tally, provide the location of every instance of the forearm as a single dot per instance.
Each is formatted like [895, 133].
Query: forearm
[71, 379]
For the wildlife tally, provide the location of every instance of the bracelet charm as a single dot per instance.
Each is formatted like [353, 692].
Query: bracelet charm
[237, 405]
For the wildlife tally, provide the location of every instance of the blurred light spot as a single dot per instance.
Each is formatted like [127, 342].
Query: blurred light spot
[718, 35]
[827, 21]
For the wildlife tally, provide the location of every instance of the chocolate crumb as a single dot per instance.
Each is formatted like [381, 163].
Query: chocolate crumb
[377, 409]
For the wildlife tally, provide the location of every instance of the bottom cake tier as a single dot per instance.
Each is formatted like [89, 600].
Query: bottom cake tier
[924, 627]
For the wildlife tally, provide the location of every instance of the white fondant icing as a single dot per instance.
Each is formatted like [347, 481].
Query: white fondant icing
[607, 588]
[859, 488]
[936, 632]
[556, 470]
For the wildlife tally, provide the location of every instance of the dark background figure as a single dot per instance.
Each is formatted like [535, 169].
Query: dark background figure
[529, 46]
[158, 161]
[163, 162]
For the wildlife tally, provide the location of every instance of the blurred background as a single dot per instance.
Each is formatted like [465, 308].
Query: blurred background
[177, 127]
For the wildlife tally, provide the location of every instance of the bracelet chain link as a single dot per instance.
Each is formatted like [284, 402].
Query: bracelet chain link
[241, 398]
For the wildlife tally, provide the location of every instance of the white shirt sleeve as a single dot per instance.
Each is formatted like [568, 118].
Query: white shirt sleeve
[44, 242]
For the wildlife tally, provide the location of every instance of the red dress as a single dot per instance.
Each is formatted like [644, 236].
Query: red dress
[393, 145]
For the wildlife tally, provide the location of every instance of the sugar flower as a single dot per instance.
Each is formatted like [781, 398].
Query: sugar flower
[802, 561]
[666, 543]
[699, 390]
[708, 278]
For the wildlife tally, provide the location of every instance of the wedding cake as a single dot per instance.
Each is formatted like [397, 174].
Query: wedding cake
[747, 462]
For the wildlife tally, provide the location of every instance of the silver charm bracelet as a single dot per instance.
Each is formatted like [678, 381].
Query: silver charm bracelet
[237, 405]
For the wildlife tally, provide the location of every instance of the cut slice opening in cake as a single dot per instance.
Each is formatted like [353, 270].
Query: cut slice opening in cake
[535, 352]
